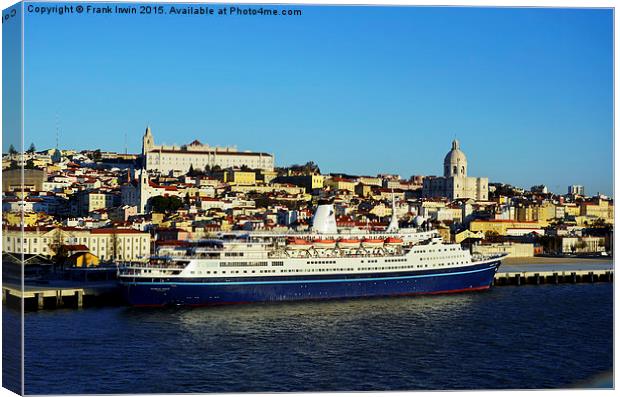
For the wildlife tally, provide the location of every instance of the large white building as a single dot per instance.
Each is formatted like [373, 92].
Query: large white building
[455, 183]
[179, 159]
[111, 244]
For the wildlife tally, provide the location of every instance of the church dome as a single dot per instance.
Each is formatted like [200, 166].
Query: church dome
[455, 162]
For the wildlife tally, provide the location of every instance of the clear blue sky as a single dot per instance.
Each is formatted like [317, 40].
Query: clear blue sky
[364, 90]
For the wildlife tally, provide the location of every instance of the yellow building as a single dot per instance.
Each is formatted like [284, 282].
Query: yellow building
[571, 209]
[381, 210]
[309, 182]
[235, 177]
[465, 234]
[275, 187]
[501, 226]
[83, 259]
[266, 176]
[363, 190]
[340, 184]
[599, 208]
[536, 213]
[15, 218]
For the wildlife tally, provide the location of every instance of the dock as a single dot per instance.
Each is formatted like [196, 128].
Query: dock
[553, 277]
[70, 295]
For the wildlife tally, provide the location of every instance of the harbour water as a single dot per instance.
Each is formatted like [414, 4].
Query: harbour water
[548, 336]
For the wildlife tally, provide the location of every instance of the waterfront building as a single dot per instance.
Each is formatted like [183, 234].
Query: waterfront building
[455, 183]
[501, 227]
[107, 244]
[513, 250]
[179, 159]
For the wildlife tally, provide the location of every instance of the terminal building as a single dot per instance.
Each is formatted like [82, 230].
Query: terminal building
[198, 156]
[455, 184]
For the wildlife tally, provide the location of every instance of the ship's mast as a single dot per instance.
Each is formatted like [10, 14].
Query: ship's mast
[393, 226]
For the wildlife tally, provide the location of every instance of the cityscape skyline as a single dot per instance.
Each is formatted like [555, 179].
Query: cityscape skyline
[528, 92]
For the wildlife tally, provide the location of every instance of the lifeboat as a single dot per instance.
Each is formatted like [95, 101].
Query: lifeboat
[326, 244]
[372, 242]
[298, 244]
[348, 243]
[393, 241]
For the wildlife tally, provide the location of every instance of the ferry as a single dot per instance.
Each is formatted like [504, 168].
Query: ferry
[324, 263]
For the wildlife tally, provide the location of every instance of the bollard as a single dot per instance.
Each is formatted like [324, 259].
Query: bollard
[574, 277]
[518, 279]
[40, 301]
[59, 298]
[591, 274]
[537, 276]
[79, 295]
[556, 279]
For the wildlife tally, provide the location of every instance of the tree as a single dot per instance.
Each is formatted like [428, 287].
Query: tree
[12, 150]
[165, 204]
[31, 149]
[190, 172]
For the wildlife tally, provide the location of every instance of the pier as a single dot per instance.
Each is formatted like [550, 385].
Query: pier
[553, 277]
[69, 295]
[72, 294]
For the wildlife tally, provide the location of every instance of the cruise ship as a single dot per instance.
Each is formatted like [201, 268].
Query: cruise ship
[324, 263]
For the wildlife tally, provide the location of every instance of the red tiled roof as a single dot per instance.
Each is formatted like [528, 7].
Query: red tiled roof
[115, 231]
[80, 247]
[217, 152]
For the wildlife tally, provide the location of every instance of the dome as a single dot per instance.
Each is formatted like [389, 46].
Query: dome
[455, 162]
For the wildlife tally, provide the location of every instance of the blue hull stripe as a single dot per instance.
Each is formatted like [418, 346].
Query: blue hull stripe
[307, 281]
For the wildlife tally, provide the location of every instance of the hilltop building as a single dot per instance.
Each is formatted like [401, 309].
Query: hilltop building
[576, 190]
[455, 183]
[179, 159]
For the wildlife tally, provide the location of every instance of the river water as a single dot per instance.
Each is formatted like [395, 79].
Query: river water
[547, 336]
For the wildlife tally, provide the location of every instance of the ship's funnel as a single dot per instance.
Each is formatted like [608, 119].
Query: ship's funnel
[324, 220]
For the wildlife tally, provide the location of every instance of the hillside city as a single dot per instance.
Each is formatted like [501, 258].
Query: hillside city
[89, 208]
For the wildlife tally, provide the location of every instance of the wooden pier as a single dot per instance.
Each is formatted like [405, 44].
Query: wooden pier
[553, 277]
[44, 296]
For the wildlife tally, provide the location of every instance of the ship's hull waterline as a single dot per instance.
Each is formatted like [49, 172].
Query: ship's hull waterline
[219, 291]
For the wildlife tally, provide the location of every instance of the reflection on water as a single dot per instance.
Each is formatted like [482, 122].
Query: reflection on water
[317, 315]
[464, 341]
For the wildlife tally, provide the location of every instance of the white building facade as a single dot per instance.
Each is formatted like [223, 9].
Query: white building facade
[455, 183]
[179, 159]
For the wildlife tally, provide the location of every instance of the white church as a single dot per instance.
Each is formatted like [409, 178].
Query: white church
[455, 183]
